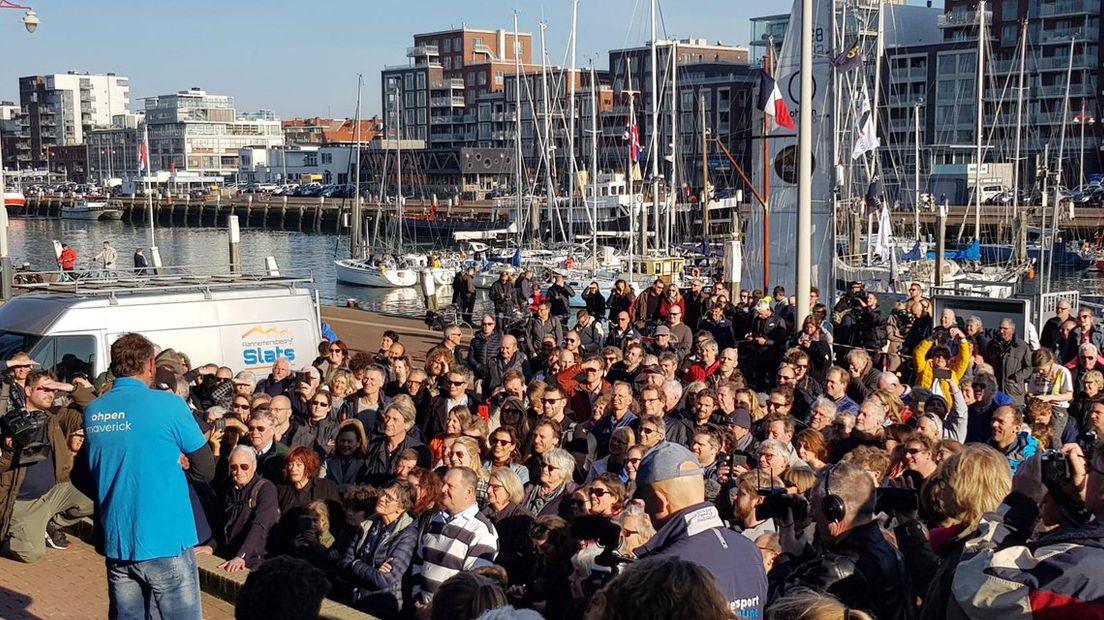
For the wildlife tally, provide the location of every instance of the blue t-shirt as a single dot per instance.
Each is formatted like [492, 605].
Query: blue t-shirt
[134, 439]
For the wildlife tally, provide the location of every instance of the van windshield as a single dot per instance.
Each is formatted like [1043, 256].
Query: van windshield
[14, 342]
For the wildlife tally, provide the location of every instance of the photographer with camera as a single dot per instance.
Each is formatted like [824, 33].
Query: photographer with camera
[750, 512]
[36, 497]
[936, 369]
[13, 391]
[1053, 573]
[855, 562]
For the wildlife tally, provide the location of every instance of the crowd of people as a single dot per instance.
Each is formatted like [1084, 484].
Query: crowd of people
[663, 454]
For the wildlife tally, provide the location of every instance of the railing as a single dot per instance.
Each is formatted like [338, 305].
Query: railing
[1070, 7]
[449, 83]
[1065, 34]
[422, 50]
[957, 20]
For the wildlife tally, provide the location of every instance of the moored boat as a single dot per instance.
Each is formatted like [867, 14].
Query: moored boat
[91, 210]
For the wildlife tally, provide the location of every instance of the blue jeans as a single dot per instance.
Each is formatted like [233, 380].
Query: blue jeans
[160, 588]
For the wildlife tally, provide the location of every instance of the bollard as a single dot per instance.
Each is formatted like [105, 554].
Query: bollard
[235, 242]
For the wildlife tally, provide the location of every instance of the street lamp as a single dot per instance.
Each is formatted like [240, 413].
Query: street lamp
[30, 22]
[1083, 119]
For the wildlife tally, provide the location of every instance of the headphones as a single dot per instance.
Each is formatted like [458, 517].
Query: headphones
[832, 505]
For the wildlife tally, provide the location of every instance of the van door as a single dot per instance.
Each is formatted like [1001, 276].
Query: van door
[67, 355]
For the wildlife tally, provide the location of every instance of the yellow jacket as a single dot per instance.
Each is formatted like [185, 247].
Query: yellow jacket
[924, 370]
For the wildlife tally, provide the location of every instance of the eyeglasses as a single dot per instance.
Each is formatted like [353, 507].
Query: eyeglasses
[772, 404]
[573, 340]
[461, 382]
[549, 401]
[258, 429]
[243, 467]
[914, 450]
[242, 407]
[501, 442]
[488, 325]
[644, 430]
[599, 493]
[333, 349]
[634, 461]
[549, 467]
[591, 370]
[979, 386]
[460, 453]
[319, 403]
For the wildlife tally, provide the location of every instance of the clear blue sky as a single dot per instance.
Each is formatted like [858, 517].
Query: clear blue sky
[301, 58]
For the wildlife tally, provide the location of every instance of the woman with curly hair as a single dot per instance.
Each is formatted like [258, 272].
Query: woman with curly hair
[437, 366]
[302, 486]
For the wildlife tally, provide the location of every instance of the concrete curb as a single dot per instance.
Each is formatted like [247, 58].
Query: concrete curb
[226, 586]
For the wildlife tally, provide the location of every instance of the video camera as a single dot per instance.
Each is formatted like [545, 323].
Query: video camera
[777, 504]
[896, 499]
[608, 535]
[26, 429]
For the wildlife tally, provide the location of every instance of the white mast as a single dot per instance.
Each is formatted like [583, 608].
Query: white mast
[673, 186]
[654, 141]
[593, 165]
[519, 167]
[549, 153]
[631, 167]
[1019, 123]
[805, 165]
[571, 126]
[1061, 155]
[916, 167]
[398, 178]
[980, 118]
[356, 223]
[879, 52]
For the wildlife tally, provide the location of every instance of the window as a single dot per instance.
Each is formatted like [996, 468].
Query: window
[482, 78]
[409, 81]
[500, 78]
[448, 63]
[477, 42]
[459, 63]
[421, 81]
[457, 44]
[409, 100]
[421, 98]
[447, 46]
[327, 158]
[310, 159]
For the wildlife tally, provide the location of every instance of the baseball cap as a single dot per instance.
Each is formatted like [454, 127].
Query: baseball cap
[740, 417]
[662, 330]
[170, 359]
[667, 461]
[245, 378]
[651, 370]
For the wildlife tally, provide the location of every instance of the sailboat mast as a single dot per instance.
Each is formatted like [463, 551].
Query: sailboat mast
[879, 52]
[703, 200]
[654, 138]
[571, 126]
[519, 171]
[980, 118]
[673, 191]
[355, 250]
[1019, 124]
[550, 190]
[805, 165]
[768, 61]
[1058, 166]
[398, 182]
[916, 168]
[631, 167]
[593, 165]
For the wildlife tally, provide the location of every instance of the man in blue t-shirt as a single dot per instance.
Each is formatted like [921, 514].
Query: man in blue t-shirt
[135, 437]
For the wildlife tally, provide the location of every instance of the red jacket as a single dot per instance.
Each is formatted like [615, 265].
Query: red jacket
[68, 258]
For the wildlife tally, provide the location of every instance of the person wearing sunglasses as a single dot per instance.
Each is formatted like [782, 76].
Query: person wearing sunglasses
[549, 496]
[485, 348]
[40, 500]
[455, 393]
[320, 430]
[249, 509]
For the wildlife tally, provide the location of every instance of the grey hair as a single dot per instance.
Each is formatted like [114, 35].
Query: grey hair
[761, 306]
[561, 459]
[511, 482]
[826, 403]
[672, 387]
[216, 410]
[974, 319]
[264, 415]
[1088, 348]
[782, 448]
[246, 450]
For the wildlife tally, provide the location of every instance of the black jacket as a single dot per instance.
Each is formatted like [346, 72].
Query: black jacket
[515, 548]
[248, 515]
[595, 304]
[1011, 363]
[560, 299]
[379, 465]
[484, 349]
[863, 570]
[504, 295]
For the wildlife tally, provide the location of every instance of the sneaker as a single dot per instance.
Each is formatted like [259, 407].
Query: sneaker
[56, 538]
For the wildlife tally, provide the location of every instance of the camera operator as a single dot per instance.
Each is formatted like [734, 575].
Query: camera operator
[36, 497]
[748, 513]
[14, 389]
[855, 562]
[1051, 574]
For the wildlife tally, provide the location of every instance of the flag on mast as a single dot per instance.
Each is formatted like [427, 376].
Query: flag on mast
[772, 103]
[632, 134]
[867, 140]
[143, 153]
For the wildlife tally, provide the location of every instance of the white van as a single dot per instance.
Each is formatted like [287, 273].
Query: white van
[246, 326]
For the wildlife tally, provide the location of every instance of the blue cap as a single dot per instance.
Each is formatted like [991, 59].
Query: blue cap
[667, 461]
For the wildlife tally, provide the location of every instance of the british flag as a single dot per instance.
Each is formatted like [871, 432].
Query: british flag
[632, 134]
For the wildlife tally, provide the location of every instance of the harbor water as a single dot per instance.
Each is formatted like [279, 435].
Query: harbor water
[207, 249]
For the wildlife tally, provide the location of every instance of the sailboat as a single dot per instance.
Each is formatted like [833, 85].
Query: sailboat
[386, 271]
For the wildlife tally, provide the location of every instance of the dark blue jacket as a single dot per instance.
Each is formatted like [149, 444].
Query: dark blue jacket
[697, 534]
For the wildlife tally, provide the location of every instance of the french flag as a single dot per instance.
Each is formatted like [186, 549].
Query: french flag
[772, 103]
[143, 152]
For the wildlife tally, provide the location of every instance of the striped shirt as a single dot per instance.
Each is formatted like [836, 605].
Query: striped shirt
[451, 544]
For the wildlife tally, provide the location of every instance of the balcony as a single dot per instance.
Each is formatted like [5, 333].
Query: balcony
[440, 120]
[1075, 90]
[1070, 7]
[959, 20]
[1064, 35]
[479, 48]
[421, 51]
[446, 84]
